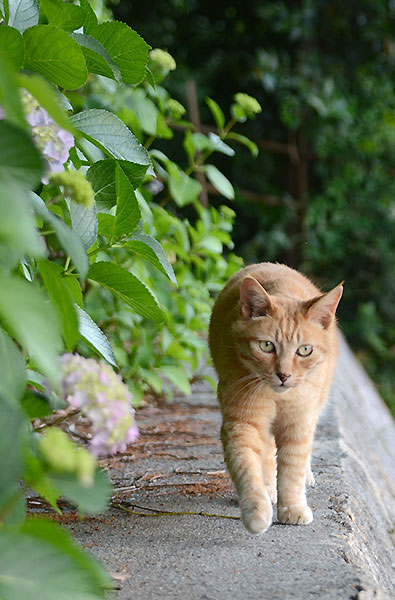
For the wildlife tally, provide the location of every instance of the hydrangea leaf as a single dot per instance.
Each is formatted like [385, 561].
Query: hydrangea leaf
[53, 53]
[61, 297]
[11, 42]
[20, 14]
[32, 320]
[48, 98]
[94, 336]
[69, 241]
[128, 288]
[128, 215]
[150, 249]
[102, 177]
[27, 561]
[13, 377]
[127, 49]
[97, 58]
[220, 182]
[110, 133]
[19, 157]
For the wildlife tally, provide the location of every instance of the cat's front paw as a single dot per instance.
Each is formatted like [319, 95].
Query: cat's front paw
[257, 516]
[295, 514]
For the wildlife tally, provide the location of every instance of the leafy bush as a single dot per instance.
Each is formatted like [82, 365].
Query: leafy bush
[89, 237]
[323, 186]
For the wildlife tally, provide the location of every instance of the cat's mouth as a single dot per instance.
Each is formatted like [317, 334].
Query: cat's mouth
[282, 388]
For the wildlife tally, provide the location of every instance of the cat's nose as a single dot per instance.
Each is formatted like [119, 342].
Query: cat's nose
[283, 377]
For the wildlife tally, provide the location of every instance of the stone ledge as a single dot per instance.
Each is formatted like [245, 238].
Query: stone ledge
[366, 440]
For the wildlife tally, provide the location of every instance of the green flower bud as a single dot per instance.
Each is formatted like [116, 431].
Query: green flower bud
[75, 186]
[63, 456]
[162, 60]
[175, 108]
[248, 104]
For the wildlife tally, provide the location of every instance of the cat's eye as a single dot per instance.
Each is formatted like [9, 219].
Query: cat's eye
[304, 350]
[267, 346]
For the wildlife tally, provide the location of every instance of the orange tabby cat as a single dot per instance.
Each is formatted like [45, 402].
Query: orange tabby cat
[273, 341]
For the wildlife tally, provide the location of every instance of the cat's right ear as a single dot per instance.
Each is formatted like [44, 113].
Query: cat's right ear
[254, 299]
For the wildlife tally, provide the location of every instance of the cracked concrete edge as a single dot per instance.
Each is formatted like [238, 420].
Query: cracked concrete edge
[366, 435]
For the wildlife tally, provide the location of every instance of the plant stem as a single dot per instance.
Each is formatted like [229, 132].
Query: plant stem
[161, 513]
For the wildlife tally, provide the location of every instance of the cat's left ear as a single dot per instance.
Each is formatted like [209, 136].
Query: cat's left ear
[322, 308]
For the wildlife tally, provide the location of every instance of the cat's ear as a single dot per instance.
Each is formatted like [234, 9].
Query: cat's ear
[254, 299]
[322, 308]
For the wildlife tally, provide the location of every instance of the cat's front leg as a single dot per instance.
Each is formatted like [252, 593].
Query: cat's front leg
[293, 463]
[244, 449]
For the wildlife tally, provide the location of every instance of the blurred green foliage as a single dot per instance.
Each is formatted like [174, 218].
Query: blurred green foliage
[324, 73]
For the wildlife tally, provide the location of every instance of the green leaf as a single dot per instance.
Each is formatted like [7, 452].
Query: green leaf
[22, 13]
[97, 58]
[13, 430]
[145, 110]
[211, 243]
[9, 92]
[48, 97]
[67, 238]
[13, 371]
[111, 134]
[219, 146]
[94, 336]
[90, 19]
[45, 529]
[128, 215]
[12, 506]
[32, 320]
[19, 157]
[90, 499]
[183, 189]
[150, 249]
[38, 569]
[35, 405]
[106, 225]
[84, 223]
[217, 113]
[128, 288]
[60, 14]
[102, 177]
[12, 44]
[53, 53]
[178, 377]
[61, 297]
[220, 182]
[242, 139]
[18, 235]
[127, 49]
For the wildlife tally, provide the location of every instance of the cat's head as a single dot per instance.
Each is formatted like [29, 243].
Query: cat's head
[284, 340]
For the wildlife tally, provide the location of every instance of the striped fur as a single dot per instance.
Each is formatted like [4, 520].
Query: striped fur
[271, 388]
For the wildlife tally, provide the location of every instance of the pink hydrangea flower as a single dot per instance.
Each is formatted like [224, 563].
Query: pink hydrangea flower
[99, 393]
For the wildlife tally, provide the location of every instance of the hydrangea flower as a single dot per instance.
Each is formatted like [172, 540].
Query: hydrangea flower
[53, 141]
[99, 393]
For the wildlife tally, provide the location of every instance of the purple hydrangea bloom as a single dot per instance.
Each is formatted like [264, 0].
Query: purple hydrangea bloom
[99, 393]
[53, 141]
